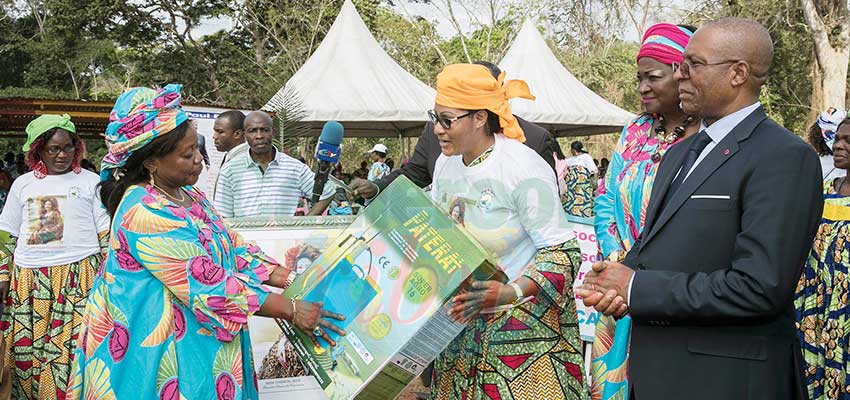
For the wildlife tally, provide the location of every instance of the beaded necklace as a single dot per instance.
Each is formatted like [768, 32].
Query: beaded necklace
[661, 131]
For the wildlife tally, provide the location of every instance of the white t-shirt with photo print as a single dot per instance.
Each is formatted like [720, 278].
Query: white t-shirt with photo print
[56, 219]
[510, 202]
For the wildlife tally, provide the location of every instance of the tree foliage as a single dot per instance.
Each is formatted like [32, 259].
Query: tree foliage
[94, 49]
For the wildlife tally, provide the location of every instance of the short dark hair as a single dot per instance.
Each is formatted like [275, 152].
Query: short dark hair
[493, 122]
[578, 146]
[690, 28]
[235, 118]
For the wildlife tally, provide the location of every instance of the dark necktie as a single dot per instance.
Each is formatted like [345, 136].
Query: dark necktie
[694, 151]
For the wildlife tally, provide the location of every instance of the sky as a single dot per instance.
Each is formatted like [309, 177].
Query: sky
[438, 16]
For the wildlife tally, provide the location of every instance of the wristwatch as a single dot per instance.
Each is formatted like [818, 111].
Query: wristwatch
[519, 295]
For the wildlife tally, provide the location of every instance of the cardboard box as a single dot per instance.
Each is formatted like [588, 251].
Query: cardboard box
[390, 273]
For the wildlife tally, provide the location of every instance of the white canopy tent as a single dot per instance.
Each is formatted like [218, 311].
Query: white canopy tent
[350, 79]
[564, 105]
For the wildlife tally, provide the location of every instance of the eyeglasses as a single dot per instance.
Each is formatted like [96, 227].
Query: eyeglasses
[685, 66]
[54, 150]
[445, 122]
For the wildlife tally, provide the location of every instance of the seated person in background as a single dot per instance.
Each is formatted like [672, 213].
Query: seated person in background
[363, 171]
[340, 204]
[267, 182]
[379, 168]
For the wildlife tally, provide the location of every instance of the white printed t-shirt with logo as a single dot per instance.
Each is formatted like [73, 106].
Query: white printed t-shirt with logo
[511, 202]
[56, 219]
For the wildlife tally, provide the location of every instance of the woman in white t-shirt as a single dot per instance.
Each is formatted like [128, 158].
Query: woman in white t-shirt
[581, 182]
[582, 158]
[58, 230]
[512, 207]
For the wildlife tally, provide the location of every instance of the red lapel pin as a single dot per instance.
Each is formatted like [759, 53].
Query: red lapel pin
[726, 152]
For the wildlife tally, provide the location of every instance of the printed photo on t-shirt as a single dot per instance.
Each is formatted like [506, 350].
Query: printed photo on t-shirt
[46, 223]
[457, 210]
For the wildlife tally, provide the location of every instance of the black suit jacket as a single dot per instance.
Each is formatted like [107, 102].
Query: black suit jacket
[717, 267]
[420, 168]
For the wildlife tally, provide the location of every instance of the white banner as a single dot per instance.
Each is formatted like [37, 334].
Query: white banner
[587, 316]
[204, 119]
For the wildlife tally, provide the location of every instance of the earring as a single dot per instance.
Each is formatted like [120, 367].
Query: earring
[152, 181]
[39, 170]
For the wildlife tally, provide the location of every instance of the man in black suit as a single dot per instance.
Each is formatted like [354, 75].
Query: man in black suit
[420, 167]
[709, 283]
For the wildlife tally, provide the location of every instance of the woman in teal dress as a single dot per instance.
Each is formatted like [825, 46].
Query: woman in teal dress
[167, 314]
[821, 301]
[620, 207]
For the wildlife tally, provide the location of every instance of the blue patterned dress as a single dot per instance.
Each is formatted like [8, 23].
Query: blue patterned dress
[167, 316]
[823, 308]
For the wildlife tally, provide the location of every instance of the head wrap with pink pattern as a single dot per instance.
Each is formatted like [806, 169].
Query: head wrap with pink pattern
[664, 43]
[139, 116]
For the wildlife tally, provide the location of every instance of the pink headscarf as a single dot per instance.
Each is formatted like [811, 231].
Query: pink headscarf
[664, 43]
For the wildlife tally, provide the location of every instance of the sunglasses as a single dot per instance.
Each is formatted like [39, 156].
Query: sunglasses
[445, 122]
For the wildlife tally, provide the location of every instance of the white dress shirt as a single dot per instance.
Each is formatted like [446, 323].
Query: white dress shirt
[717, 132]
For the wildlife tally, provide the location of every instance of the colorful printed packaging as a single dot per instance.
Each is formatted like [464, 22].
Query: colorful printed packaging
[393, 273]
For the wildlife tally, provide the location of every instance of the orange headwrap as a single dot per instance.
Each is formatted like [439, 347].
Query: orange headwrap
[472, 87]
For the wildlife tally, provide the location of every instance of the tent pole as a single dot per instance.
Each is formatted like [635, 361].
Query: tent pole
[401, 145]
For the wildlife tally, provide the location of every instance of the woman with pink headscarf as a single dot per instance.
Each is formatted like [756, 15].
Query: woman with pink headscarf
[620, 205]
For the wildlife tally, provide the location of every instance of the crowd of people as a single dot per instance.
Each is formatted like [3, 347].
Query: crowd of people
[724, 238]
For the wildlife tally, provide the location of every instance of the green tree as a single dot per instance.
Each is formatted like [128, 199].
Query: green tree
[789, 95]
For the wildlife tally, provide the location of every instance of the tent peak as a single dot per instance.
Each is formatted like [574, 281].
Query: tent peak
[563, 105]
[351, 79]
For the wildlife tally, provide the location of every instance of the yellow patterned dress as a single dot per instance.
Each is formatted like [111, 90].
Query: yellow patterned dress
[41, 323]
[42, 316]
[823, 309]
[531, 352]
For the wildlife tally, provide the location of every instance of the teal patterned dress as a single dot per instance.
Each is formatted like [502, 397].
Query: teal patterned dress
[167, 315]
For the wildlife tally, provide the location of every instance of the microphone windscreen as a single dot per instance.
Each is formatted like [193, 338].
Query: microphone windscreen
[331, 133]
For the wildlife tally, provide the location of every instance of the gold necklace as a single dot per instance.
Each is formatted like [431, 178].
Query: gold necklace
[182, 195]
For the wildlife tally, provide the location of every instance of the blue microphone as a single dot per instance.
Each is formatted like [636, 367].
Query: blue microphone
[327, 153]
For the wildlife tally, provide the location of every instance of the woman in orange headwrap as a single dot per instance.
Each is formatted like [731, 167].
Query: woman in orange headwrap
[522, 339]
